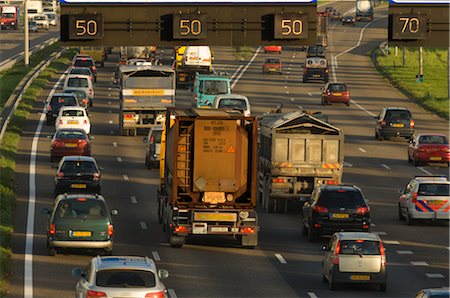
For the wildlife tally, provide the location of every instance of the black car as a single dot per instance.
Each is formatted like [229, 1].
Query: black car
[334, 208]
[315, 68]
[82, 61]
[348, 20]
[57, 101]
[394, 122]
[316, 51]
[77, 174]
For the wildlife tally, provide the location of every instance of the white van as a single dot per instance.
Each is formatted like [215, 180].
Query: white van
[198, 56]
[83, 82]
[42, 21]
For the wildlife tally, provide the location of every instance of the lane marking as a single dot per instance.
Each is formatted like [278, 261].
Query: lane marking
[434, 275]
[391, 242]
[172, 293]
[125, 177]
[280, 258]
[309, 93]
[347, 164]
[405, 252]
[114, 144]
[292, 99]
[385, 166]
[372, 224]
[448, 248]
[109, 88]
[380, 233]
[133, 200]
[419, 263]
[312, 295]
[246, 67]
[110, 122]
[119, 159]
[155, 255]
[425, 171]
[362, 150]
[143, 225]
[287, 92]
[235, 72]
[285, 86]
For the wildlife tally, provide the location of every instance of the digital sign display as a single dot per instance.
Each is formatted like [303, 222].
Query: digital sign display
[409, 26]
[189, 26]
[185, 2]
[85, 26]
[290, 26]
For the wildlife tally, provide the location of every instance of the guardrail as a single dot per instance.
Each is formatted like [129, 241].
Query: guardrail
[4, 65]
[16, 96]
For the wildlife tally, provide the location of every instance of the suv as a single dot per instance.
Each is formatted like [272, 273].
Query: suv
[354, 257]
[124, 276]
[334, 208]
[394, 122]
[57, 101]
[425, 197]
[153, 146]
[79, 221]
[316, 51]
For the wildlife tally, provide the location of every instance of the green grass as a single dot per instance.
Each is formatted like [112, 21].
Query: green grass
[432, 93]
[244, 53]
[8, 151]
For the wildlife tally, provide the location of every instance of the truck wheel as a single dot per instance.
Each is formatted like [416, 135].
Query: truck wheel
[400, 215]
[176, 241]
[250, 241]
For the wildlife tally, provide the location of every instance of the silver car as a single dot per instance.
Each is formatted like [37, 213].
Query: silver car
[153, 147]
[425, 197]
[233, 102]
[120, 276]
[354, 257]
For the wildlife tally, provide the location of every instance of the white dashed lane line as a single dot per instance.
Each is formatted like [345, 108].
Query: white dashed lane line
[419, 263]
[119, 159]
[133, 199]
[362, 150]
[292, 99]
[309, 93]
[434, 275]
[109, 88]
[155, 255]
[312, 295]
[125, 177]
[109, 94]
[425, 171]
[114, 144]
[392, 242]
[172, 293]
[404, 252]
[143, 225]
[280, 258]
[287, 92]
[372, 224]
[385, 166]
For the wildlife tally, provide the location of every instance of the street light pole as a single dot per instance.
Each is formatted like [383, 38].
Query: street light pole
[27, 36]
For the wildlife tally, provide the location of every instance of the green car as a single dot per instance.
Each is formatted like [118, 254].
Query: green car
[80, 221]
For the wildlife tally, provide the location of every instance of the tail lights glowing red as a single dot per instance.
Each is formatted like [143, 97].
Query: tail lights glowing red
[95, 294]
[332, 182]
[362, 210]
[110, 230]
[411, 123]
[159, 294]
[279, 180]
[85, 122]
[383, 254]
[247, 230]
[60, 121]
[94, 68]
[336, 253]
[320, 209]
[49, 108]
[52, 229]
[181, 229]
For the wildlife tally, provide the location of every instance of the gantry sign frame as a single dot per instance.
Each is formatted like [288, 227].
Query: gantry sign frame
[175, 22]
[419, 23]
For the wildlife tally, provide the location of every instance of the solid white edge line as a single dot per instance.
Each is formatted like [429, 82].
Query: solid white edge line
[171, 293]
[385, 166]
[246, 67]
[29, 236]
[280, 258]
[404, 252]
[312, 295]
[155, 255]
[425, 171]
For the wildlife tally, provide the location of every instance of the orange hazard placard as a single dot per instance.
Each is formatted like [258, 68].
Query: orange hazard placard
[231, 149]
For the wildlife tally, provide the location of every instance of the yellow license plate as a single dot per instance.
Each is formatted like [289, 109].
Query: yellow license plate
[339, 215]
[78, 186]
[72, 122]
[398, 125]
[360, 277]
[81, 233]
[148, 92]
[316, 76]
[70, 145]
[272, 69]
[337, 94]
[435, 158]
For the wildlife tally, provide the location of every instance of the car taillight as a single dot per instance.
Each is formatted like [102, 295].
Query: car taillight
[96, 176]
[362, 210]
[279, 180]
[60, 175]
[326, 71]
[420, 149]
[320, 209]
[52, 229]
[181, 229]
[411, 123]
[49, 108]
[332, 182]
[383, 123]
[110, 230]
[414, 197]
[152, 139]
[95, 294]
[383, 254]
[60, 121]
[57, 143]
[336, 253]
[85, 121]
[195, 98]
[94, 68]
[159, 294]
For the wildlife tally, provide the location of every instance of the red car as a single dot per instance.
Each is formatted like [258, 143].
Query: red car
[272, 49]
[67, 142]
[430, 147]
[335, 92]
[273, 65]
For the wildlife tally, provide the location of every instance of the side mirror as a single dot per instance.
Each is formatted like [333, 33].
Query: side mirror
[78, 272]
[163, 273]
[45, 210]
[145, 140]
[114, 212]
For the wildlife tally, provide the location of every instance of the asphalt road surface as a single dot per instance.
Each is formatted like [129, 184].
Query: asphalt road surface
[284, 264]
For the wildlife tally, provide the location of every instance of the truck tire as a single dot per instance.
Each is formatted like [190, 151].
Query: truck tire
[176, 241]
[250, 241]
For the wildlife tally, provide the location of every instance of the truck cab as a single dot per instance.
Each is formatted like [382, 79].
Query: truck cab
[207, 87]
[9, 17]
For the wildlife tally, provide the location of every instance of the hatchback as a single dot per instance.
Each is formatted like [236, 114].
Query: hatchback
[335, 92]
[120, 276]
[76, 174]
[83, 71]
[73, 117]
[315, 68]
[354, 257]
[80, 221]
[273, 49]
[425, 197]
[428, 147]
[57, 101]
[394, 122]
[67, 142]
[348, 20]
[433, 293]
[153, 146]
[334, 208]
[273, 65]
[85, 61]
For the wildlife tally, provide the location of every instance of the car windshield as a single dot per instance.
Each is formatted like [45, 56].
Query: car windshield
[81, 208]
[359, 247]
[71, 134]
[397, 115]
[121, 278]
[59, 101]
[83, 62]
[232, 103]
[214, 87]
[338, 88]
[273, 61]
[80, 70]
[341, 198]
[76, 166]
[8, 15]
[433, 140]
[78, 82]
[72, 113]
[433, 189]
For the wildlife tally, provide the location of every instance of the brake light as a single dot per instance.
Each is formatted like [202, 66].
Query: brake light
[320, 209]
[60, 121]
[181, 229]
[359, 241]
[52, 229]
[336, 253]
[95, 294]
[85, 101]
[49, 108]
[96, 177]
[152, 139]
[414, 198]
[57, 143]
[332, 182]
[81, 199]
[83, 59]
[60, 175]
[326, 71]
[110, 230]
[383, 254]
[94, 68]
[362, 210]
[85, 121]
[411, 123]
[279, 180]
[247, 230]
[341, 190]
[155, 295]
[383, 123]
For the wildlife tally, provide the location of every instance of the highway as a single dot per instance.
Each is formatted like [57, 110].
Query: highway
[284, 264]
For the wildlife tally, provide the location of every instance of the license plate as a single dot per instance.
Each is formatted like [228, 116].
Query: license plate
[398, 125]
[435, 158]
[72, 122]
[316, 76]
[272, 69]
[339, 215]
[78, 186]
[81, 233]
[70, 145]
[360, 277]
[219, 229]
[337, 94]
[199, 228]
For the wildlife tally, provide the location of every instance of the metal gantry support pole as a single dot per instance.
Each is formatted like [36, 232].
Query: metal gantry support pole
[26, 57]
[421, 63]
[403, 56]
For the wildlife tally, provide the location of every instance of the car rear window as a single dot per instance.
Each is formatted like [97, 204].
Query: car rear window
[71, 134]
[338, 88]
[232, 103]
[83, 63]
[359, 247]
[398, 115]
[59, 101]
[433, 140]
[273, 61]
[433, 189]
[74, 167]
[125, 278]
[84, 71]
[81, 208]
[341, 199]
[73, 113]
[78, 82]
[214, 87]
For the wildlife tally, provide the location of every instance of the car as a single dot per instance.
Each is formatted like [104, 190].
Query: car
[233, 102]
[433, 293]
[272, 65]
[83, 82]
[83, 99]
[333, 208]
[51, 17]
[83, 71]
[336, 15]
[124, 276]
[80, 221]
[335, 92]
[73, 117]
[153, 146]
[77, 174]
[85, 61]
[273, 49]
[315, 68]
[428, 148]
[316, 51]
[67, 142]
[348, 20]
[394, 122]
[425, 198]
[42, 21]
[32, 26]
[57, 101]
[354, 257]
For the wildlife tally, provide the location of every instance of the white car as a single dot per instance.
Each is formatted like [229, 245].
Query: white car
[79, 81]
[51, 18]
[73, 117]
[233, 102]
[42, 21]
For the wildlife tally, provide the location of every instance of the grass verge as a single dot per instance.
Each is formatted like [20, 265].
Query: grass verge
[432, 93]
[7, 163]
[244, 53]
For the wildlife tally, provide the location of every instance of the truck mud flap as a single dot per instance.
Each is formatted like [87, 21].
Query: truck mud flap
[250, 241]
